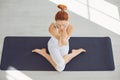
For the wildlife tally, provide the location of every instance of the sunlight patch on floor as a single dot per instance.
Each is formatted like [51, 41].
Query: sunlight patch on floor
[15, 74]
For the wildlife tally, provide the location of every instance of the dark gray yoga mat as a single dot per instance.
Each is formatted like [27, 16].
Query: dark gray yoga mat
[17, 54]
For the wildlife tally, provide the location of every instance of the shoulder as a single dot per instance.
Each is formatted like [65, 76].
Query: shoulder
[52, 24]
[51, 27]
[70, 26]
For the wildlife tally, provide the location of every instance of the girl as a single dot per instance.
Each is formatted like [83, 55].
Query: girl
[58, 45]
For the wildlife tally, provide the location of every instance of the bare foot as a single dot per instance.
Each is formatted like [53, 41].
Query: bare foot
[40, 51]
[78, 51]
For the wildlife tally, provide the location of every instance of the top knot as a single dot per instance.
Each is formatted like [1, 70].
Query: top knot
[62, 7]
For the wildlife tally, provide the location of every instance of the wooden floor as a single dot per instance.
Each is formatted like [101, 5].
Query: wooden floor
[32, 18]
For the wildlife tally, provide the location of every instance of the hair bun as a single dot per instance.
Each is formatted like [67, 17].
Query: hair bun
[62, 7]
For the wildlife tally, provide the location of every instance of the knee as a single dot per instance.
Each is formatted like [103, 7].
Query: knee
[60, 67]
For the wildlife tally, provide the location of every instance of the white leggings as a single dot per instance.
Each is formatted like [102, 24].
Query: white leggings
[57, 53]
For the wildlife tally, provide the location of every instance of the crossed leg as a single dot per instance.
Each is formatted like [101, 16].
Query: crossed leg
[66, 58]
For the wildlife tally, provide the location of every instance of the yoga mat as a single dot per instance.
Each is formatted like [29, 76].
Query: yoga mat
[17, 54]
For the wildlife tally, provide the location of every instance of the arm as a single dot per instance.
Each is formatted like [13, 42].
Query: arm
[53, 31]
[69, 30]
[65, 34]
